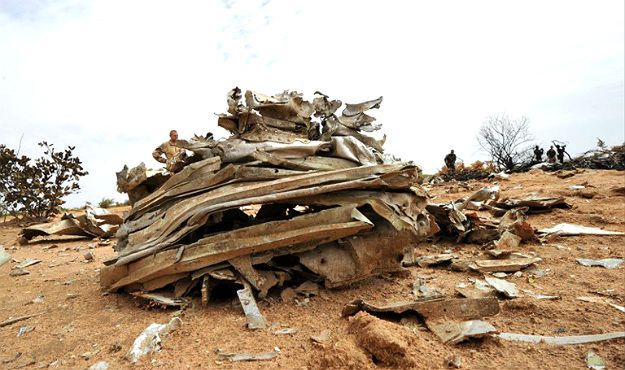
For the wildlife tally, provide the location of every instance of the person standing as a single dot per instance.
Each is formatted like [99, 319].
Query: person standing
[450, 161]
[170, 153]
[538, 154]
[551, 155]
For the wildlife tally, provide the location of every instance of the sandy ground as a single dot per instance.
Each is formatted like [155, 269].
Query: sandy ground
[77, 319]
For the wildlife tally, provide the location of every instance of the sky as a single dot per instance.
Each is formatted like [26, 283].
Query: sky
[112, 77]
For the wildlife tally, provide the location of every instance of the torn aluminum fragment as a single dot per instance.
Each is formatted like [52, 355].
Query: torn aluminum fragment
[609, 263]
[255, 319]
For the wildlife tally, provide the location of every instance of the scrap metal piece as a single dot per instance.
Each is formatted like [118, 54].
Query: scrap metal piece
[150, 339]
[609, 263]
[535, 204]
[508, 289]
[561, 341]
[236, 357]
[565, 229]
[453, 308]
[354, 109]
[255, 319]
[594, 361]
[455, 332]
[162, 299]
[507, 265]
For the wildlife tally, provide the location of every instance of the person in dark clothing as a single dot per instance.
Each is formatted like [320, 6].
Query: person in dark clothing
[561, 150]
[450, 161]
[538, 154]
[551, 155]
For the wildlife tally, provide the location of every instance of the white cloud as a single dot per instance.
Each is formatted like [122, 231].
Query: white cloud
[112, 77]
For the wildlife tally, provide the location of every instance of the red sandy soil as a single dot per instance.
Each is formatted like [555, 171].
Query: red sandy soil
[77, 318]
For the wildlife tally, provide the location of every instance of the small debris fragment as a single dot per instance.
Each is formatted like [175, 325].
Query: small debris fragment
[507, 265]
[255, 319]
[456, 332]
[162, 299]
[71, 296]
[572, 230]
[19, 272]
[609, 263]
[27, 262]
[150, 339]
[594, 361]
[453, 362]
[8, 360]
[100, 365]
[4, 256]
[439, 259]
[508, 289]
[25, 329]
[286, 331]
[560, 341]
[89, 257]
[323, 337]
[87, 355]
[601, 301]
[17, 319]
[235, 357]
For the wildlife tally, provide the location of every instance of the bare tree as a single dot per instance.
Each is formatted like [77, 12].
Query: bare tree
[506, 140]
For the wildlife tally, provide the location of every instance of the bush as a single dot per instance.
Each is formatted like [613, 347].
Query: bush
[106, 203]
[35, 188]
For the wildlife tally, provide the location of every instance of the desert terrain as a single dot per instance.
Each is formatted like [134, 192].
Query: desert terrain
[77, 325]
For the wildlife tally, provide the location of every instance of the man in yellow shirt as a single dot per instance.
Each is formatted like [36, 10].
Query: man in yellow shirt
[174, 155]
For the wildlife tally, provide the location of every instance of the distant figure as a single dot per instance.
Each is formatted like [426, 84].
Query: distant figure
[561, 150]
[551, 155]
[538, 154]
[450, 161]
[174, 155]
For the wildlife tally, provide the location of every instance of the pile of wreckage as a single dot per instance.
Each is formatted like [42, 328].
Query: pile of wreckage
[290, 201]
[94, 223]
[298, 193]
[602, 158]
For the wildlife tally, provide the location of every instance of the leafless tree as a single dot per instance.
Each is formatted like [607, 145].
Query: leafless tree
[506, 140]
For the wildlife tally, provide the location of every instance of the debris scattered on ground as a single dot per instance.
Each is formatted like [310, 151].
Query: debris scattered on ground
[609, 263]
[505, 265]
[25, 329]
[96, 222]
[4, 256]
[100, 365]
[594, 361]
[454, 308]
[162, 299]
[236, 357]
[150, 339]
[27, 262]
[455, 332]
[453, 361]
[89, 257]
[601, 300]
[565, 229]
[13, 320]
[12, 359]
[506, 288]
[18, 272]
[255, 319]
[286, 331]
[561, 341]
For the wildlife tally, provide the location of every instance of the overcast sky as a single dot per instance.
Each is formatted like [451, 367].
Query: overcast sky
[113, 77]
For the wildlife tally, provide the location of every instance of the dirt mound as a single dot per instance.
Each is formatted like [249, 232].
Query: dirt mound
[387, 343]
[344, 354]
